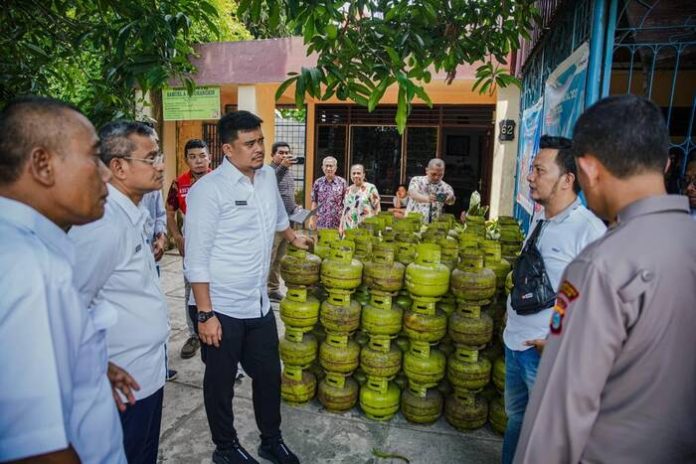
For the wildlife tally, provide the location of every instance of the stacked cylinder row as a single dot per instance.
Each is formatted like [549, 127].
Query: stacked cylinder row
[391, 317]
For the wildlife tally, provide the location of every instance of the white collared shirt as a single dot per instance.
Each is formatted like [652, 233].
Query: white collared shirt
[116, 276]
[230, 225]
[53, 388]
[562, 238]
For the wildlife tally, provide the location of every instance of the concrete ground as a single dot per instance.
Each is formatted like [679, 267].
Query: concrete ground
[315, 435]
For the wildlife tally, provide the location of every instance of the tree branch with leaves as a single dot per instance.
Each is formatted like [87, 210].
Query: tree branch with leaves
[364, 46]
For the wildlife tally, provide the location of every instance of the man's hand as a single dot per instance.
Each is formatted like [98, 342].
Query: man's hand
[305, 243]
[179, 242]
[538, 343]
[158, 246]
[432, 198]
[462, 217]
[450, 199]
[288, 160]
[210, 332]
[312, 224]
[121, 381]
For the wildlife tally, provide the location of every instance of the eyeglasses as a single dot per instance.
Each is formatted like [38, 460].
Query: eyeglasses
[685, 181]
[159, 159]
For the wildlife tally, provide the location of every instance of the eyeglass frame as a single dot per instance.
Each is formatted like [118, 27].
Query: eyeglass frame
[159, 159]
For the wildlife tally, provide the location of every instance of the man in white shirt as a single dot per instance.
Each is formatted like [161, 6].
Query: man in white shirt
[566, 227]
[56, 403]
[117, 271]
[233, 215]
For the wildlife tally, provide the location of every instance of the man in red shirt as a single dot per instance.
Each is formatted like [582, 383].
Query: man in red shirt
[198, 161]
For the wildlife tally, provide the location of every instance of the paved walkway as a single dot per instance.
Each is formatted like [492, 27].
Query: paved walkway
[314, 434]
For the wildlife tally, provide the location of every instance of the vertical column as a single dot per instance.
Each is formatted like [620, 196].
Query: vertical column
[504, 153]
[260, 100]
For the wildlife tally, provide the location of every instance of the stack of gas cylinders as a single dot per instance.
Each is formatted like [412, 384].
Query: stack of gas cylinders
[397, 316]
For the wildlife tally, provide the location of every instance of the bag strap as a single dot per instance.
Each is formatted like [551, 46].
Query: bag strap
[535, 234]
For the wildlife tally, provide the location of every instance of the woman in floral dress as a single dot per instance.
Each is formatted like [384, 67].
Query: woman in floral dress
[361, 200]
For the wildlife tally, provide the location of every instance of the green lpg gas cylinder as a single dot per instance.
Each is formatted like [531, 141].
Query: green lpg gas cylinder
[379, 399]
[383, 273]
[296, 385]
[497, 416]
[421, 405]
[423, 364]
[299, 310]
[299, 267]
[339, 354]
[381, 317]
[469, 326]
[426, 276]
[340, 270]
[380, 358]
[297, 348]
[467, 370]
[339, 313]
[465, 411]
[499, 374]
[337, 393]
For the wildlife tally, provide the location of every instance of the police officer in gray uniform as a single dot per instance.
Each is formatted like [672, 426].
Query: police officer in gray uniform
[617, 381]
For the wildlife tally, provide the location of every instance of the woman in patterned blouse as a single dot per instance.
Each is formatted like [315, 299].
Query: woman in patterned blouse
[361, 200]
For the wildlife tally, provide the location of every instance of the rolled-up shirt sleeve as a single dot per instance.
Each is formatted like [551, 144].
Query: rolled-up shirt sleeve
[202, 216]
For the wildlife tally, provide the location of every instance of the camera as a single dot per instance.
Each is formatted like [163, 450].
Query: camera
[441, 197]
[298, 160]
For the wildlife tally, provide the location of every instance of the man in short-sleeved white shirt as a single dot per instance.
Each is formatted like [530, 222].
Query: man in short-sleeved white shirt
[56, 402]
[232, 216]
[567, 227]
[117, 271]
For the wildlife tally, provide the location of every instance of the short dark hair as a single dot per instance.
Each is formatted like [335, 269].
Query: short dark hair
[277, 145]
[114, 138]
[564, 158]
[558, 143]
[26, 123]
[235, 121]
[627, 134]
[195, 143]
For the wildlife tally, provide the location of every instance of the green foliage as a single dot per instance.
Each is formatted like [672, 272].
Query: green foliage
[96, 53]
[297, 114]
[365, 46]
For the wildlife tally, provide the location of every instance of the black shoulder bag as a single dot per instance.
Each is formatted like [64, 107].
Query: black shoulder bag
[532, 291]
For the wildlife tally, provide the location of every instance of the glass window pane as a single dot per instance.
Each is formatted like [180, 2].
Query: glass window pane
[421, 147]
[379, 150]
[331, 142]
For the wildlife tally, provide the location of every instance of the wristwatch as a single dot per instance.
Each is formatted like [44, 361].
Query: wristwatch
[203, 316]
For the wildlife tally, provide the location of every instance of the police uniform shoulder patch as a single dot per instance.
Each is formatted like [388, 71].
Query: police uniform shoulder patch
[566, 294]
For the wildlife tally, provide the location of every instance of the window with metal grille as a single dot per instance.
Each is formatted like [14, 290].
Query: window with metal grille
[210, 135]
[291, 127]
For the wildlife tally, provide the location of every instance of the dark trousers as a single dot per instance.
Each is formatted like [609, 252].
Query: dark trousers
[141, 429]
[254, 344]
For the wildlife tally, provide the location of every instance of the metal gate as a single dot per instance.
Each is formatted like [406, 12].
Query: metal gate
[652, 52]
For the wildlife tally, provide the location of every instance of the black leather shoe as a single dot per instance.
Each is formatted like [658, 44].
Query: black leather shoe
[234, 455]
[277, 452]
